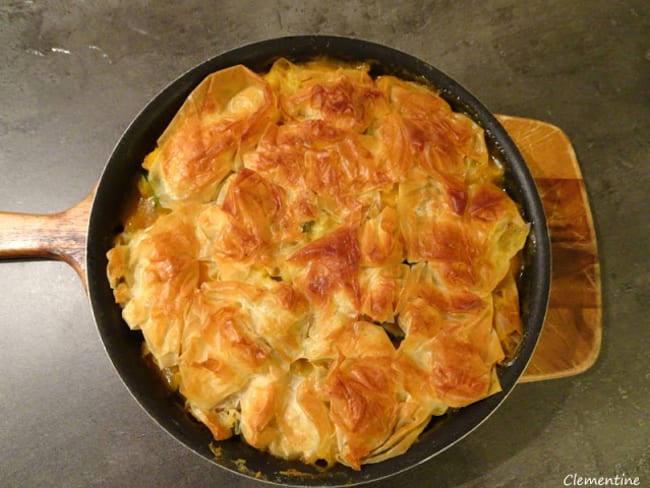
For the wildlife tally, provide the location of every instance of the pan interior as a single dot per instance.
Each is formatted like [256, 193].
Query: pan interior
[124, 346]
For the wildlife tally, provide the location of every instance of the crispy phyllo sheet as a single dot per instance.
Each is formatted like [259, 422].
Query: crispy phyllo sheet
[321, 262]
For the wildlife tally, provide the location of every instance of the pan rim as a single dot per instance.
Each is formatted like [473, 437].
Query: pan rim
[165, 101]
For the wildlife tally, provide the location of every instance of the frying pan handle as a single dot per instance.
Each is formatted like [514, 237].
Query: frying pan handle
[60, 236]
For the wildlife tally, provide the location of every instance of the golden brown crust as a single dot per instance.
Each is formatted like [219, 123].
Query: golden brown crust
[321, 260]
[199, 148]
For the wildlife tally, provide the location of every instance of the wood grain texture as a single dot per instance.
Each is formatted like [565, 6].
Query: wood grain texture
[60, 236]
[571, 337]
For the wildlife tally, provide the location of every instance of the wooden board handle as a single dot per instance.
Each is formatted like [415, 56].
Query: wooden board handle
[59, 236]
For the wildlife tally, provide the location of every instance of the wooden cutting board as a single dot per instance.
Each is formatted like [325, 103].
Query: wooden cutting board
[571, 337]
[570, 340]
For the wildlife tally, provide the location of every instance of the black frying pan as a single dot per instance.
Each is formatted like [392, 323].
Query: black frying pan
[63, 235]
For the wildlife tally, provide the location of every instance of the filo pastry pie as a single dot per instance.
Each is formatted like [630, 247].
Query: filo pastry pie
[320, 261]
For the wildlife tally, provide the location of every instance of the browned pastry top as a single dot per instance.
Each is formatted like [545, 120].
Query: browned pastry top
[320, 261]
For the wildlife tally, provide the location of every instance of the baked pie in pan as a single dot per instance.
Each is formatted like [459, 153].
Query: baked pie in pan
[320, 261]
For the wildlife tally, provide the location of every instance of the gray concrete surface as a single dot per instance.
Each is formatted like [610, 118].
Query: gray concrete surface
[72, 76]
